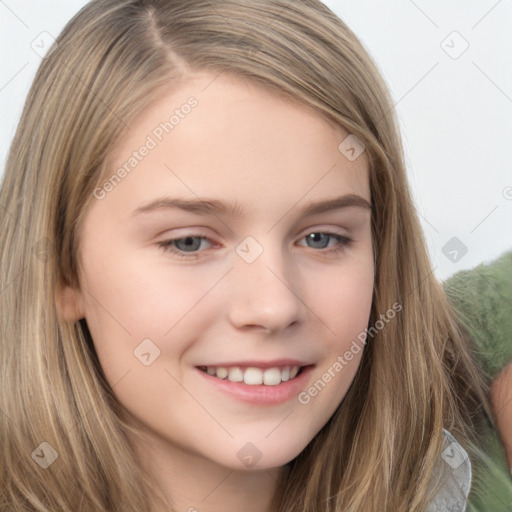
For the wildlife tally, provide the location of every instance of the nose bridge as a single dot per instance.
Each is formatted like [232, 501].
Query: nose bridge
[264, 291]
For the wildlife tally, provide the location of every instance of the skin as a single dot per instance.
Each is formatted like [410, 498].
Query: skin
[241, 143]
[501, 399]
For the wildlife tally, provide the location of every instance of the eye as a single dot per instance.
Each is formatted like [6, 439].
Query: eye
[189, 244]
[321, 240]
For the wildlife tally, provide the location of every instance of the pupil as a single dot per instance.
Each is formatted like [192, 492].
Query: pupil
[316, 237]
[189, 242]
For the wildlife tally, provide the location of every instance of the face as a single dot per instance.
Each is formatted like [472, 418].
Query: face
[219, 285]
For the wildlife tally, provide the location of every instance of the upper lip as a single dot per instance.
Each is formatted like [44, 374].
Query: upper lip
[259, 364]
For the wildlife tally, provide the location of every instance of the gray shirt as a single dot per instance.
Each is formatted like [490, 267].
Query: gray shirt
[454, 476]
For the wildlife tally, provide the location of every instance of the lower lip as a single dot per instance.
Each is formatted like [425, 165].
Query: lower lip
[261, 394]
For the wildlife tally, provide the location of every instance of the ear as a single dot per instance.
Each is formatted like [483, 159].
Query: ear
[69, 303]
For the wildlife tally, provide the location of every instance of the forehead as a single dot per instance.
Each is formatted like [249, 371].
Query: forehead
[224, 136]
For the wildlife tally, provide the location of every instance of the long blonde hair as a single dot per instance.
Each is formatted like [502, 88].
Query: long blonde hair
[114, 58]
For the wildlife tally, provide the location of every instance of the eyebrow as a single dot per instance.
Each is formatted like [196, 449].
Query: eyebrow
[207, 206]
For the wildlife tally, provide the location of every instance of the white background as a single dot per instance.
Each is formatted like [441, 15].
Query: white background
[455, 113]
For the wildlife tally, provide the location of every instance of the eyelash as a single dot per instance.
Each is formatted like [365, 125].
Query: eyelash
[166, 245]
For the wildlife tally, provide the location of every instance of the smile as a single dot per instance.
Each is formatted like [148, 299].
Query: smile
[264, 384]
[254, 376]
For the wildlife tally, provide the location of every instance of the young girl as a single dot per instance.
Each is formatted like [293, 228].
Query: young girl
[216, 293]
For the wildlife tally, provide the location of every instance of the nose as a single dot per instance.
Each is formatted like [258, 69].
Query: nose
[265, 293]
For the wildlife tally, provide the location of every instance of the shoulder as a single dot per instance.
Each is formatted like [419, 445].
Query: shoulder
[454, 477]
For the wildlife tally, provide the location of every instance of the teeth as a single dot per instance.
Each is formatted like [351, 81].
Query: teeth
[222, 373]
[254, 376]
[236, 374]
[272, 376]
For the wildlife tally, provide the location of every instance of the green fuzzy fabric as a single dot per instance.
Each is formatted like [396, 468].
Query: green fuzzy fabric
[482, 298]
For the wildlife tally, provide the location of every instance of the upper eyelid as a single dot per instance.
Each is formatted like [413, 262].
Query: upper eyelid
[328, 232]
[321, 229]
[212, 240]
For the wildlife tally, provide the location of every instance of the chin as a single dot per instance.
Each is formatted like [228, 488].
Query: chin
[261, 455]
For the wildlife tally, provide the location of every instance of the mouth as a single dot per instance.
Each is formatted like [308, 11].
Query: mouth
[253, 375]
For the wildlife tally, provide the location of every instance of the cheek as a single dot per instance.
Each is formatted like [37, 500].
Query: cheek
[344, 306]
[129, 301]
[143, 297]
[344, 301]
